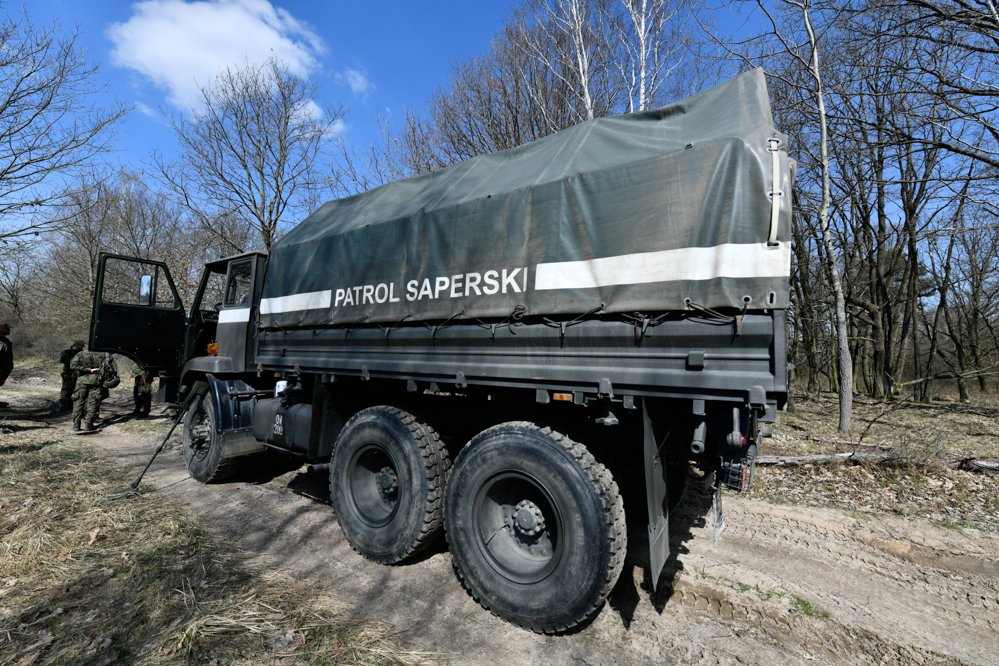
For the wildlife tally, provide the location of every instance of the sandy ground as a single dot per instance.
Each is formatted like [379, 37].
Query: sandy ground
[784, 585]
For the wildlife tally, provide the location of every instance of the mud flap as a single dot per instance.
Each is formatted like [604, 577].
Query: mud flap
[655, 487]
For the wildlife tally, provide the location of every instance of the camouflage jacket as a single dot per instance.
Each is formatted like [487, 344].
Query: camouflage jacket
[83, 363]
[66, 357]
[148, 375]
[6, 358]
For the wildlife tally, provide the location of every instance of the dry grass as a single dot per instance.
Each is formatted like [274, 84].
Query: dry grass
[952, 428]
[952, 498]
[911, 481]
[139, 581]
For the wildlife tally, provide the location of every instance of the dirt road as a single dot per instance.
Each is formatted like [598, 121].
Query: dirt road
[785, 585]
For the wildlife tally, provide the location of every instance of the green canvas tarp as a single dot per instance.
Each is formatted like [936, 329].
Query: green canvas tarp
[644, 212]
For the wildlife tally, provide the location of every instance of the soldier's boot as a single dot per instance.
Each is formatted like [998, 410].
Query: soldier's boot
[89, 427]
[76, 426]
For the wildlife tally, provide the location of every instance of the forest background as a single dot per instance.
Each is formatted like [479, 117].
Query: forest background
[891, 106]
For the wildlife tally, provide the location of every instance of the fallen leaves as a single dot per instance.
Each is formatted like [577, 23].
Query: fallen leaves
[286, 641]
[953, 496]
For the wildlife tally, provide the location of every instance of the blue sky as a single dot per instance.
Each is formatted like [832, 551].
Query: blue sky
[375, 57]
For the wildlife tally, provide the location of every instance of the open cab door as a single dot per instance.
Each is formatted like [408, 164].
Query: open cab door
[137, 312]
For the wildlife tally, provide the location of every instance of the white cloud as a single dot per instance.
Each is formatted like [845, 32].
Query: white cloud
[179, 44]
[359, 83]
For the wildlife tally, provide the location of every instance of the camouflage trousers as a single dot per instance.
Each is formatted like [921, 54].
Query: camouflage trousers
[87, 401]
[143, 395]
[68, 386]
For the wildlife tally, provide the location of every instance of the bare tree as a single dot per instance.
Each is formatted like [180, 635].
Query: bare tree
[654, 39]
[50, 130]
[249, 152]
[573, 42]
[17, 263]
[553, 64]
[805, 54]
[954, 55]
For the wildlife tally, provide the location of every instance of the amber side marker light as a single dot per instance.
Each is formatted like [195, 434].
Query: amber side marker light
[213, 349]
[563, 397]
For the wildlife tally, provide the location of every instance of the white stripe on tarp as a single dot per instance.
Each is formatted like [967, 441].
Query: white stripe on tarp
[234, 316]
[754, 260]
[314, 300]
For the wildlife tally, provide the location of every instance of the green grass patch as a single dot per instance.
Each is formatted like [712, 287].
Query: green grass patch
[805, 607]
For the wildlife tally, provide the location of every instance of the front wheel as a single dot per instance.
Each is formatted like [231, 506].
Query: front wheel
[536, 526]
[203, 444]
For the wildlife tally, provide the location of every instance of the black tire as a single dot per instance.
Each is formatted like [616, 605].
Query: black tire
[203, 444]
[536, 526]
[387, 479]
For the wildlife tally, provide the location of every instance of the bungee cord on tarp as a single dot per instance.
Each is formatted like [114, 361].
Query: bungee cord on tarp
[562, 325]
[398, 324]
[513, 319]
[444, 324]
[350, 328]
[643, 323]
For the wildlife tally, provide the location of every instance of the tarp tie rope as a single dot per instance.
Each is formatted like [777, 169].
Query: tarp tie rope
[562, 325]
[389, 329]
[738, 320]
[775, 195]
[643, 323]
[712, 314]
[444, 324]
[347, 330]
[512, 319]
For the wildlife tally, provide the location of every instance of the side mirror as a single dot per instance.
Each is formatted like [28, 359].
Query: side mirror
[145, 289]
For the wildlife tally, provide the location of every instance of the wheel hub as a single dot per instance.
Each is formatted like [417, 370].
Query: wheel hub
[200, 434]
[388, 482]
[528, 518]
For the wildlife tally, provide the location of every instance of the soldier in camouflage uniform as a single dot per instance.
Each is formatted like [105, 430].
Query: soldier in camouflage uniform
[90, 389]
[142, 391]
[68, 375]
[6, 356]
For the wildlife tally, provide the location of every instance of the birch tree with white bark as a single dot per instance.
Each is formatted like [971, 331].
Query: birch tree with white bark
[653, 38]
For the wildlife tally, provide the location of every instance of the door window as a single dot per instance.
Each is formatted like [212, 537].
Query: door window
[131, 282]
[240, 286]
[211, 298]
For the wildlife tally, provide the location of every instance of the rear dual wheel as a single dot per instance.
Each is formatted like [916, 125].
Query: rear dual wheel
[387, 479]
[536, 526]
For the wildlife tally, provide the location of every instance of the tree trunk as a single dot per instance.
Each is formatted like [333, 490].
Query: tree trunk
[844, 362]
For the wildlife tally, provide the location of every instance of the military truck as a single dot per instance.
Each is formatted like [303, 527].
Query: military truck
[498, 349]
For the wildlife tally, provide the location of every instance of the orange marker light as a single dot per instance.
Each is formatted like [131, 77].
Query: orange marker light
[213, 349]
[563, 397]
